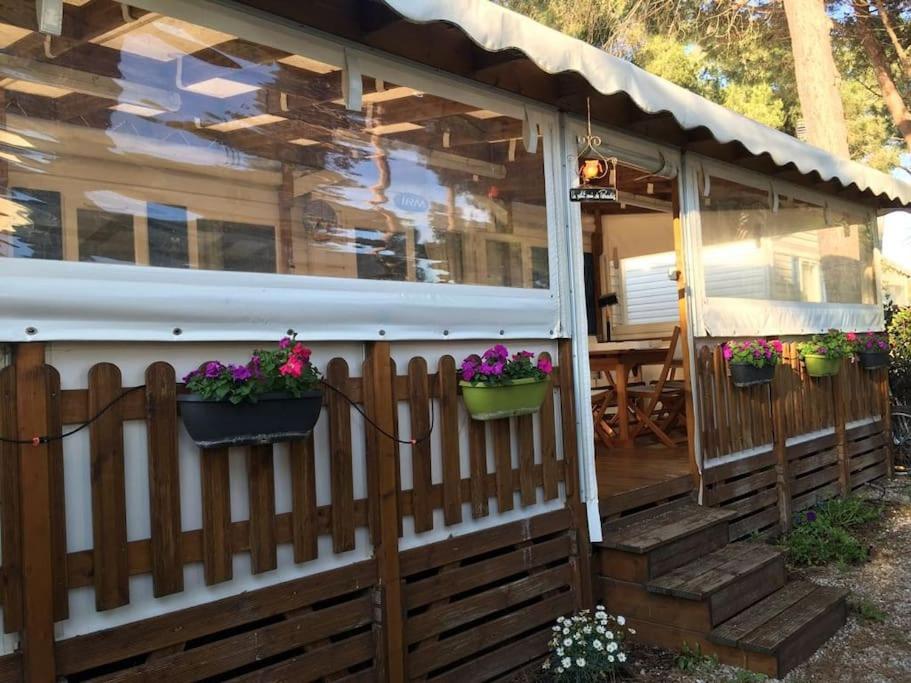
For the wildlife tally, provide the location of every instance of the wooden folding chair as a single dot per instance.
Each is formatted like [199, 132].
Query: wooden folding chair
[657, 406]
[603, 398]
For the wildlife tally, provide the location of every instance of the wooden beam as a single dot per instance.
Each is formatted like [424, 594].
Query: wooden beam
[381, 405]
[35, 497]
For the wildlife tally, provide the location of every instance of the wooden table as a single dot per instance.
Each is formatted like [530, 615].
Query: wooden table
[620, 362]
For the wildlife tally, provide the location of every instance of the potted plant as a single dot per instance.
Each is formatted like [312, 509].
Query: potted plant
[871, 349]
[274, 397]
[495, 385]
[752, 361]
[824, 353]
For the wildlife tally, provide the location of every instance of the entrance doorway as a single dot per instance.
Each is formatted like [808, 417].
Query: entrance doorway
[636, 357]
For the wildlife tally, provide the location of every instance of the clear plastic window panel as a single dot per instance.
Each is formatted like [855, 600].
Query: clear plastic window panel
[156, 142]
[799, 253]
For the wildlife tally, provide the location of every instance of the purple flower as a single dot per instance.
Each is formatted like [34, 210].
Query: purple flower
[284, 343]
[811, 516]
[522, 355]
[469, 369]
[728, 352]
[213, 369]
[492, 369]
[496, 352]
[241, 373]
[193, 374]
[822, 350]
[544, 365]
[757, 353]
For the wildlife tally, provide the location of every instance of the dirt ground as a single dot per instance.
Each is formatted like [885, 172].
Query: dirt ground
[874, 646]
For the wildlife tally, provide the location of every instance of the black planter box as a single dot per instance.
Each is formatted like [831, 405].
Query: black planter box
[274, 417]
[873, 360]
[746, 375]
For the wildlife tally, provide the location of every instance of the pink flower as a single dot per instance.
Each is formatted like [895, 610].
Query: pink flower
[301, 352]
[727, 351]
[522, 355]
[851, 337]
[776, 344]
[292, 368]
[544, 365]
[284, 343]
[496, 352]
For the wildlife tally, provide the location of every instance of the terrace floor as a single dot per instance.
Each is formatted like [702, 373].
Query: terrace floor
[630, 478]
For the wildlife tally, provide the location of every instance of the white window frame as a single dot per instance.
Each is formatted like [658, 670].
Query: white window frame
[50, 300]
[733, 317]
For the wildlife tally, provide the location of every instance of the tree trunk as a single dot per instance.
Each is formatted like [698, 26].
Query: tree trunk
[817, 77]
[901, 117]
[903, 58]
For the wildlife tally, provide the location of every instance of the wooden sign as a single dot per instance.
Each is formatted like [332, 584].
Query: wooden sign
[593, 194]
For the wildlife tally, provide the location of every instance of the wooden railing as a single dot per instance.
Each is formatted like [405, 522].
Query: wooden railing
[802, 439]
[431, 397]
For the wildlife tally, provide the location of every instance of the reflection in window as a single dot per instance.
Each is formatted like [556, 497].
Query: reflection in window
[236, 246]
[105, 237]
[167, 227]
[252, 162]
[792, 254]
[33, 227]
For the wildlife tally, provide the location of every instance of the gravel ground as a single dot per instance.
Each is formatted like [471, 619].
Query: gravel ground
[874, 646]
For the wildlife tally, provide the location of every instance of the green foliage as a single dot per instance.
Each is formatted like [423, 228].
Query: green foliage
[866, 610]
[757, 101]
[690, 659]
[744, 676]
[286, 368]
[825, 534]
[899, 329]
[832, 344]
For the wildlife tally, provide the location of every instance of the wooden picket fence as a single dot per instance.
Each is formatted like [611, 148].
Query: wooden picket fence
[430, 397]
[803, 440]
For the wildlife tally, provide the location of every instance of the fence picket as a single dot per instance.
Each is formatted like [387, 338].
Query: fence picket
[449, 440]
[164, 479]
[261, 488]
[216, 515]
[421, 482]
[109, 517]
[340, 459]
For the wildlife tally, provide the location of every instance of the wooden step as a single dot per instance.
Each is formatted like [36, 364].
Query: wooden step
[729, 579]
[652, 544]
[665, 525]
[790, 624]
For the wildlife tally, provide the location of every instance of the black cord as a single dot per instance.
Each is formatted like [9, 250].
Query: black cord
[38, 440]
[393, 437]
[59, 437]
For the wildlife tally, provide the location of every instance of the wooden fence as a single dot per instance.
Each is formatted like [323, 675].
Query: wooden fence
[431, 398]
[803, 439]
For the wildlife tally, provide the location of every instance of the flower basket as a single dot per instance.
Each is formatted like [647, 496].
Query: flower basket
[277, 416]
[873, 360]
[752, 361]
[819, 365]
[509, 399]
[495, 385]
[747, 375]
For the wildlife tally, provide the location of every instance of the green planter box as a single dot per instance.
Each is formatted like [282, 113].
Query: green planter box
[511, 398]
[822, 366]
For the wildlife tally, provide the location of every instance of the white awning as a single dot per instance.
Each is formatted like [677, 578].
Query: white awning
[495, 28]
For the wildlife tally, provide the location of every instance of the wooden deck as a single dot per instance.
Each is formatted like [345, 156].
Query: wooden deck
[632, 478]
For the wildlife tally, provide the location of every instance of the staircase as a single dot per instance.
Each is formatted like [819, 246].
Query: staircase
[672, 572]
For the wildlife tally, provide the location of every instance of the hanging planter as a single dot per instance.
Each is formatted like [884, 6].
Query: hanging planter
[823, 354]
[752, 362]
[274, 397]
[496, 386]
[871, 348]
[822, 366]
[274, 417]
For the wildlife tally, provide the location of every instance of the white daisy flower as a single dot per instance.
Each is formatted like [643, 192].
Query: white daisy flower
[580, 662]
[632, 631]
[566, 662]
[598, 645]
[609, 635]
[559, 669]
[559, 652]
[610, 658]
[621, 657]
[612, 647]
[621, 620]
[567, 642]
[546, 664]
